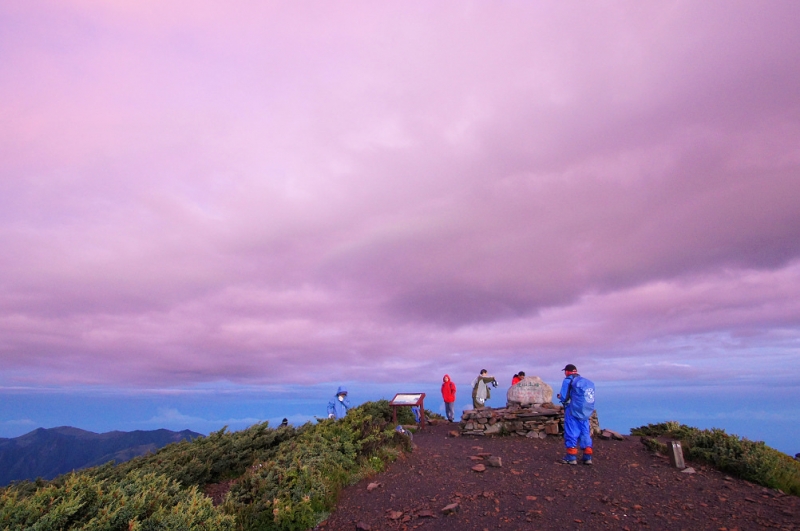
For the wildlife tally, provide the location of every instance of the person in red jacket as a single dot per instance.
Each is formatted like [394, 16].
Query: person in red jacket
[449, 396]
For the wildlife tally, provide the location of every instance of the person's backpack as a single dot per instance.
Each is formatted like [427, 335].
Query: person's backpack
[581, 395]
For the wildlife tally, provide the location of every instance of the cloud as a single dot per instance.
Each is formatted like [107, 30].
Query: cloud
[196, 196]
[18, 422]
[172, 417]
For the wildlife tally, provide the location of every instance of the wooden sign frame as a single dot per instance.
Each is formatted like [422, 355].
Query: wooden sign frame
[409, 400]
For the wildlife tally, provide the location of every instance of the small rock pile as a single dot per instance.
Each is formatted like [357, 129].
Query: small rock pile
[533, 421]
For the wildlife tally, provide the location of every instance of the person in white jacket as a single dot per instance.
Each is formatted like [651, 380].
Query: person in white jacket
[480, 389]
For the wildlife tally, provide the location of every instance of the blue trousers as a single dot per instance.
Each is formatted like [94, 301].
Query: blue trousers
[576, 432]
[450, 410]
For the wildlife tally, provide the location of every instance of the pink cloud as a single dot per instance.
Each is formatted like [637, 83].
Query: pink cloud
[190, 193]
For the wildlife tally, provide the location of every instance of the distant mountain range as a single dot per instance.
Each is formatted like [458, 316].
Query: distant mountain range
[47, 453]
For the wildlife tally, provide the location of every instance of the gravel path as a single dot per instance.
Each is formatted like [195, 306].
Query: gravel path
[629, 487]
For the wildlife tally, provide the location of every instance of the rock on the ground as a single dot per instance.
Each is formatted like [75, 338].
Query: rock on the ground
[450, 509]
[493, 429]
[611, 434]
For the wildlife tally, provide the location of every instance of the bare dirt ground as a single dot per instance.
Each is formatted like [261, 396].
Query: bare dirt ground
[628, 487]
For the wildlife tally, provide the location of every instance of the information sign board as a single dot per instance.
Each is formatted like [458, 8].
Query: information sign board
[407, 399]
[411, 400]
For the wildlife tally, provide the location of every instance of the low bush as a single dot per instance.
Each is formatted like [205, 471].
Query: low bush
[740, 457]
[382, 409]
[138, 501]
[222, 455]
[285, 479]
[296, 488]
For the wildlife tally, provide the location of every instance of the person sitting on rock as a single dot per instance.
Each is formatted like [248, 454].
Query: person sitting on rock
[337, 408]
[577, 396]
[518, 378]
[480, 389]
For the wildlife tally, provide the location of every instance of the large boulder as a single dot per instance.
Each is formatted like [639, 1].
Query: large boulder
[530, 390]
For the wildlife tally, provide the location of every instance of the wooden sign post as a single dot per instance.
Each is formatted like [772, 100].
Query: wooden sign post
[676, 454]
[411, 400]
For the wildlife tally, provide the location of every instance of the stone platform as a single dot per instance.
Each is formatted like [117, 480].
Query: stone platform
[533, 421]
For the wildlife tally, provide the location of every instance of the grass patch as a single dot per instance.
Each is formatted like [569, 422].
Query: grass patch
[737, 456]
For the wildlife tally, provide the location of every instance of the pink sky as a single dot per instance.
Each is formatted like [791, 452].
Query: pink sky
[195, 192]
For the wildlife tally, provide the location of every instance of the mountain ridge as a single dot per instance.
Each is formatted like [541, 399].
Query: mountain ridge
[49, 452]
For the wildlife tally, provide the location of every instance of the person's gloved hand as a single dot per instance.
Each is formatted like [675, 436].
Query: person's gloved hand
[330, 415]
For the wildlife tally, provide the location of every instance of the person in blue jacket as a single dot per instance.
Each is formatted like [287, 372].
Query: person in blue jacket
[337, 408]
[576, 423]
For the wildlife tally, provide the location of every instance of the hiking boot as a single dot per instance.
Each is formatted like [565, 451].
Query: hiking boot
[588, 461]
[569, 461]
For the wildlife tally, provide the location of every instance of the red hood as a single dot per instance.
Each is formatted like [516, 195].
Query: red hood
[448, 389]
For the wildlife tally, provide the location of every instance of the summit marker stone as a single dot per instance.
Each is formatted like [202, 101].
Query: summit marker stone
[530, 390]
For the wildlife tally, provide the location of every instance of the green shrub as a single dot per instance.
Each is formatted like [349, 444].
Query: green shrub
[296, 488]
[222, 455]
[285, 479]
[139, 500]
[382, 409]
[740, 457]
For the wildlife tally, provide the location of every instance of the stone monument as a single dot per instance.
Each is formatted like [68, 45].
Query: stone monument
[531, 390]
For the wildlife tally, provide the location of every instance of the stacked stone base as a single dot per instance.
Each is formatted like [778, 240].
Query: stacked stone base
[533, 421]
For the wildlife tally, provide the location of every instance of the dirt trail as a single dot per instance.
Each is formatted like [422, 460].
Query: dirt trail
[627, 488]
